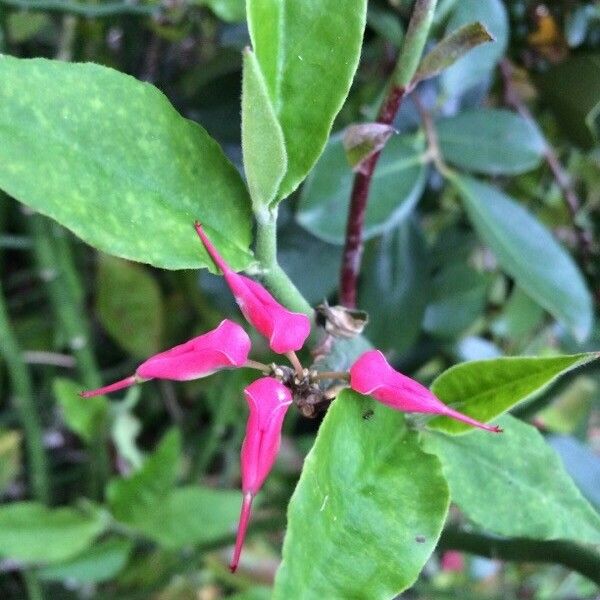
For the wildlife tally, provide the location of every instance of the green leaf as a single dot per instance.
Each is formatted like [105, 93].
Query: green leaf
[231, 11]
[395, 287]
[108, 157]
[129, 305]
[190, 515]
[450, 49]
[101, 562]
[31, 532]
[484, 389]
[514, 484]
[375, 504]
[10, 457]
[130, 498]
[458, 295]
[395, 189]
[478, 64]
[308, 53]
[386, 24]
[86, 417]
[528, 252]
[519, 317]
[492, 141]
[263, 145]
[362, 140]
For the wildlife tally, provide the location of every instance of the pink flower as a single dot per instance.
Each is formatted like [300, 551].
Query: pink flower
[371, 374]
[268, 401]
[226, 346]
[452, 561]
[286, 331]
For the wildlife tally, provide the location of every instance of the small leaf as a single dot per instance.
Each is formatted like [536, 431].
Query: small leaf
[86, 417]
[479, 63]
[514, 484]
[109, 157]
[31, 532]
[190, 515]
[101, 562]
[363, 140]
[395, 287]
[491, 141]
[375, 503]
[129, 305]
[131, 498]
[396, 187]
[450, 49]
[10, 457]
[308, 53]
[527, 251]
[263, 145]
[484, 389]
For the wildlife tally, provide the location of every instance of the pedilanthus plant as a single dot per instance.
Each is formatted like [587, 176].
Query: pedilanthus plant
[268, 398]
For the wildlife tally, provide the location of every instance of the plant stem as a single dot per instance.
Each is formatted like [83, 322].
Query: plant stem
[274, 276]
[408, 61]
[33, 585]
[55, 262]
[25, 406]
[568, 554]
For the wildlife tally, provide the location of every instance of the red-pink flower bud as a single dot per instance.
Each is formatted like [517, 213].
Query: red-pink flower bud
[286, 331]
[226, 346]
[268, 401]
[372, 375]
[452, 560]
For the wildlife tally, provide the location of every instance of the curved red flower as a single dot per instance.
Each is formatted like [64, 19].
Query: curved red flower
[372, 375]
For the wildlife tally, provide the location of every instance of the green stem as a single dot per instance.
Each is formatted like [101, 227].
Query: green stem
[568, 554]
[33, 585]
[55, 262]
[25, 405]
[414, 42]
[274, 276]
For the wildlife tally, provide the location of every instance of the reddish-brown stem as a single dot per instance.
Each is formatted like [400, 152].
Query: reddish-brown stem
[353, 248]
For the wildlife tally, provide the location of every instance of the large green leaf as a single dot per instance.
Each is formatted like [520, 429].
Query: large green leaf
[31, 532]
[129, 306]
[108, 157]
[395, 189]
[367, 511]
[308, 52]
[479, 62]
[527, 251]
[514, 484]
[484, 389]
[394, 287]
[263, 146]
[490, 141]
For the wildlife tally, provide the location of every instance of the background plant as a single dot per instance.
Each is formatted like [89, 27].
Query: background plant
[480, 243]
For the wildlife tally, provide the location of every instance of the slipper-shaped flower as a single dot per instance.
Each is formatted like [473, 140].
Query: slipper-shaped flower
[268, 401]
[286, 330]
[226, 346]
[372, 375]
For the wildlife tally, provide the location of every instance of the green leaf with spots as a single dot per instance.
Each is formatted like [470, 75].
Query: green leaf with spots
[528, 252]
[263, 146]
[491, 141]
[32, 532]
[514, 484]
[375, 504]
[395, 189]
[485, 389]
[129, 305]
[308, 52]
[110, 158]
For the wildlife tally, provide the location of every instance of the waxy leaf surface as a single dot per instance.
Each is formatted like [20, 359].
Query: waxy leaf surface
[308, 52]
[528, 252]
[375, 504]
[485, 471]
[484, 389]
[108, 157]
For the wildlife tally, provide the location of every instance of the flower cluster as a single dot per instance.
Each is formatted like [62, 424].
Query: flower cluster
[269, 397]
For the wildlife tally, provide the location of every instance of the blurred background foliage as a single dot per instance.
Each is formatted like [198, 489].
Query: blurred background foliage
[518, 120]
